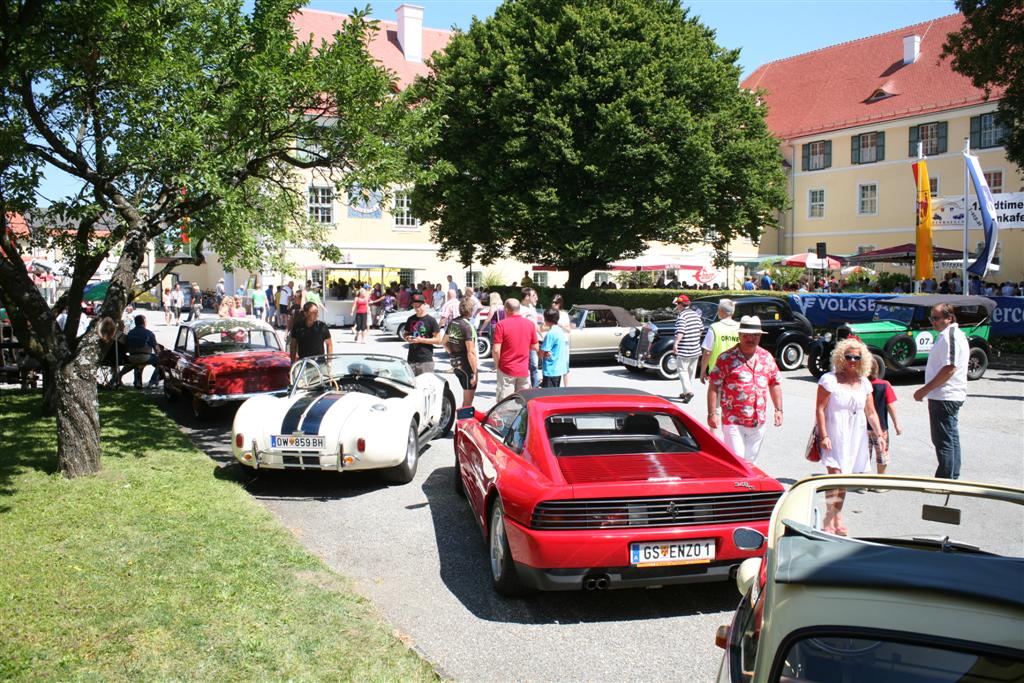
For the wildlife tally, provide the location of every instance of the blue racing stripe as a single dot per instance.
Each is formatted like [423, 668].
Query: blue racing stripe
[315, 415]
[291, 419]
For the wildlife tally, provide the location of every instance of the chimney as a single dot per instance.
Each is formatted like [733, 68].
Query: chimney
[911, 48]
[410, 31]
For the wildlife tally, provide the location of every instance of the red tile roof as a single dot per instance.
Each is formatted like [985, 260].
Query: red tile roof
[828, 89]
[318, 25]
[17, 225]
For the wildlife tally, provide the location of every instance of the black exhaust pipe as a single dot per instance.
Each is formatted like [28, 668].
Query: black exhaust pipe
[589, 583]
[602, 583]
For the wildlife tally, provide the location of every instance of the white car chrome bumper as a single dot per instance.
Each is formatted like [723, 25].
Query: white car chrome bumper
[221, 399]
[633, 362]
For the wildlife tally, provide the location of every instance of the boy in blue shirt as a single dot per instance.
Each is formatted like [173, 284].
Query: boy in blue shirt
[554, 350]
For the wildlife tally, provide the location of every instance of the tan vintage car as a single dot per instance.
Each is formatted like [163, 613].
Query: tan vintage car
[597, 329]
[928, 586]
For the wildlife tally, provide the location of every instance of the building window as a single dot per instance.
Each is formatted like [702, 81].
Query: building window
[867, 148]
[321, 204]
[817, 155]
[407, 276]
[932, 136]
[403, 213]
[539, 279]
[987, 131]
[995, 181]
[473, 278]
[601, 278]
[933, 186]
[867, 199]
[816, 203]
[992, 131]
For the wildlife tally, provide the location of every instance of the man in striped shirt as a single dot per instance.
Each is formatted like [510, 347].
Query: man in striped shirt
[689, 327]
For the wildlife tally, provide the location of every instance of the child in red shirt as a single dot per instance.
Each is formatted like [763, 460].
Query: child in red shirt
[884, 398]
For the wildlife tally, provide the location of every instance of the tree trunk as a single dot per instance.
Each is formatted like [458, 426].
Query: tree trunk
[78, 419]
[577, 273]
[49, 406]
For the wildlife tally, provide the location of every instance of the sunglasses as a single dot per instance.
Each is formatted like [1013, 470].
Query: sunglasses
[936, 317]
[851, 356]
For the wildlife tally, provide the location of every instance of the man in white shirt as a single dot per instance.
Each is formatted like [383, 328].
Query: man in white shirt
[945, 388]
[528, 309]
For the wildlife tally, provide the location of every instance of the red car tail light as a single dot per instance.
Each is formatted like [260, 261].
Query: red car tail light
[361, 445]
[239, 440]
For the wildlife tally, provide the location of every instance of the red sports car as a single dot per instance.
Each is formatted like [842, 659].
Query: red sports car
[217, 361]
[594, 488]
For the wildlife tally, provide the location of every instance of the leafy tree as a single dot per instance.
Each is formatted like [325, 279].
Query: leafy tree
[989, 50]
[171, 113]
[574, 132]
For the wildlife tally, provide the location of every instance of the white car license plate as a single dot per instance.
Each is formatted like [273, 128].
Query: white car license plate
[663, 553]
[308, 442]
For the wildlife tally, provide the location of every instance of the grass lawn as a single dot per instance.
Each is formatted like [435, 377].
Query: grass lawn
[156, 569]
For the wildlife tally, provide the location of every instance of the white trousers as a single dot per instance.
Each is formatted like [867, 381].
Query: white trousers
[744, 441]
[687, 370]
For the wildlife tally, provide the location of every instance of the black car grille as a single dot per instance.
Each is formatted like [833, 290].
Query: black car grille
[631, 513]
[300, 460]
[643, 345]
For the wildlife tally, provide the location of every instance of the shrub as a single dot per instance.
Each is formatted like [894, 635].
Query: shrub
[1008, 344]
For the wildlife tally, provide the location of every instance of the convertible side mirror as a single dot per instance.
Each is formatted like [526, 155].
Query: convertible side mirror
[746, 575]
[465, 413]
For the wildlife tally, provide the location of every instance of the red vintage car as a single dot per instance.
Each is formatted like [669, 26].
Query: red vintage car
[216, 361]
[595, 488]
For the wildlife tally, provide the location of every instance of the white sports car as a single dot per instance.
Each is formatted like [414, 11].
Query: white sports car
[345, 412]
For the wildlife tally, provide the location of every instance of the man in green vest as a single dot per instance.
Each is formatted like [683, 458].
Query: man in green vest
[722, 334]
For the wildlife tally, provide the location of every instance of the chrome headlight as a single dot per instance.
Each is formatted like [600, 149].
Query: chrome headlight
[651, 334]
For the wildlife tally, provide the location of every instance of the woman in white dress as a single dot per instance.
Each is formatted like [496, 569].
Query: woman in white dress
[844, 409]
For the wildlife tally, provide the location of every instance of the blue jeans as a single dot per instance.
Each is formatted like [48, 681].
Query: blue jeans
[534, 370]
[942, 415]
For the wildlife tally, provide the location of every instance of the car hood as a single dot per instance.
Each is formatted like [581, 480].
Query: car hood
[877, 326]
[315, 413]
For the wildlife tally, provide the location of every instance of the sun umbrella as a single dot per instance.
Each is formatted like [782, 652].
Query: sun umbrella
[811, 262]
[96, 292]
[850, 270]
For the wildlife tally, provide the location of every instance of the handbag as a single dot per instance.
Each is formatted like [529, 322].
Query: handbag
[812, 452]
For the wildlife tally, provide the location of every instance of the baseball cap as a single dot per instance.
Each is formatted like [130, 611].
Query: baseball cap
[366, 286]
[417, 299]
[682, 299]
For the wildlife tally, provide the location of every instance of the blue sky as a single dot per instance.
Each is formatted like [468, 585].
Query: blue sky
[764, 30]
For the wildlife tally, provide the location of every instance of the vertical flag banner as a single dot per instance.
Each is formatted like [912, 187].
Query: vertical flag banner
[924, 268]
[988, 217]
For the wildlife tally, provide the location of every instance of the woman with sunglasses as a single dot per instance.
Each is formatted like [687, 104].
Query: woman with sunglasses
[844, 409]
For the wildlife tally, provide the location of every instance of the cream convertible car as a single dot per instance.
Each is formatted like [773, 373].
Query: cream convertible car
[928, 586]
[345, 412]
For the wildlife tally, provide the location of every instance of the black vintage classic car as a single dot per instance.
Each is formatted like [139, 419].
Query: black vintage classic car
[787, 334]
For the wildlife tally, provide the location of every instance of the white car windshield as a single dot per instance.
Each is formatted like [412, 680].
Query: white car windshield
[894, 312]
[314, 373]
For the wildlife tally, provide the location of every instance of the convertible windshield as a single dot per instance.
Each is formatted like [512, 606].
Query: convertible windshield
[315, 372]
[236, 339]
[618, 433]
[895, 312]
[932, 520]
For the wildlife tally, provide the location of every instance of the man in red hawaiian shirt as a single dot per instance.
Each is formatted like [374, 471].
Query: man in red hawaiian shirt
[741, 381]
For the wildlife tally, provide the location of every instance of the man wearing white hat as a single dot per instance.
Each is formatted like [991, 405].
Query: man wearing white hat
[741, 381]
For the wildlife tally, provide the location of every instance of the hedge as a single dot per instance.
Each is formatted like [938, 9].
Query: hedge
[629, 299]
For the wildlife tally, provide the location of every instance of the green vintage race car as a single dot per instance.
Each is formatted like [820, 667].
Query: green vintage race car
[901, 335]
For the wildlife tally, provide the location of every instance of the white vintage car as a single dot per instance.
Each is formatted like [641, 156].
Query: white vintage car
[345, 412]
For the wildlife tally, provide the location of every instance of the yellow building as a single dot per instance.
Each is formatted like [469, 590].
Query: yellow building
[851, 119]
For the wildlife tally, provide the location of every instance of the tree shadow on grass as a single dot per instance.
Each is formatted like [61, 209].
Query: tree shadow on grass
[28, 439]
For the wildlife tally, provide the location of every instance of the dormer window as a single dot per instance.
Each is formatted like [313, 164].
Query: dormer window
[879, 95]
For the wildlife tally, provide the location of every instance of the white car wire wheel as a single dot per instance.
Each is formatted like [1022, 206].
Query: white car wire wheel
[503, 569]
[406, 471]
[447, 419]
[400, 332]
[483, 347]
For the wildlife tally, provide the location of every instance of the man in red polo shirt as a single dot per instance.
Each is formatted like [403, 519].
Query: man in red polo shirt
[514, 338]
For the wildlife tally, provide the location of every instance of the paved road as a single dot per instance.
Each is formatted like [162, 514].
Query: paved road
[416, 553]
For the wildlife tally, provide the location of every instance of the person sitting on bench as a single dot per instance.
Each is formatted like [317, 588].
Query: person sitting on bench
[142, 348]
